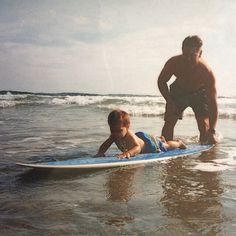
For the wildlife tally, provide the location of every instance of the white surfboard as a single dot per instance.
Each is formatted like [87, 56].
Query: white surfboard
[108, 162]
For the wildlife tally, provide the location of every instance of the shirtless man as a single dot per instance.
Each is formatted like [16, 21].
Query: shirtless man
[194, 86]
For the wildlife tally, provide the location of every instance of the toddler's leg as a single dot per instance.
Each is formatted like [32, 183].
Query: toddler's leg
[182, 145]
[162, 138]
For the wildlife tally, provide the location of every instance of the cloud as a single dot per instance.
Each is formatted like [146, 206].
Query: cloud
[107, 46]
[44, 24]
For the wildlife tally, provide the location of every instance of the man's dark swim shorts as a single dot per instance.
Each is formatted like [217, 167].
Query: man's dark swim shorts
[196, 100]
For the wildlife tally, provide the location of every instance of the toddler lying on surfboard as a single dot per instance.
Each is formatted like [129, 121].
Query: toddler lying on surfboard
[131, 143]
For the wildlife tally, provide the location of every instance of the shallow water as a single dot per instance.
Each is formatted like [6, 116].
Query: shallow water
[192, 195]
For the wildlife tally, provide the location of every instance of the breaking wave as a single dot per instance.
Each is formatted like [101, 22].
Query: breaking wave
[133, 104]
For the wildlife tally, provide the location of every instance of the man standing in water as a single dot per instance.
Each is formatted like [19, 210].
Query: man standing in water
[193, 87]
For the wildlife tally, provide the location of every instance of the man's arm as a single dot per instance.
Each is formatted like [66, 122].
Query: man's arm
[212, 106]
[163, 78]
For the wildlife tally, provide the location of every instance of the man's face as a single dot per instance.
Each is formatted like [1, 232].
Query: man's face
[192, 55]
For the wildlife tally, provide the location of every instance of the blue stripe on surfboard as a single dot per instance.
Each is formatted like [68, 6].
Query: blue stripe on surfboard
[192, 149]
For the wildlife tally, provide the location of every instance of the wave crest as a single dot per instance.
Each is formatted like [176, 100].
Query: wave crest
[134, 105]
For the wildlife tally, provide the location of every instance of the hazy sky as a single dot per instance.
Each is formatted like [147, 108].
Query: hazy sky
[110, 46]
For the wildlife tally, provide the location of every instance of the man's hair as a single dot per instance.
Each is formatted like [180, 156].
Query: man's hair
[193, 41]
[117, 117]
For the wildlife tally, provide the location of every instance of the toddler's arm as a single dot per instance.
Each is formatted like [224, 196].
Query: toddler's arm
[103, 148]
[133, 145]
[132, 152]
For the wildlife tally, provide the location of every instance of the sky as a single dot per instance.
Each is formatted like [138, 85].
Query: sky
[109, 46]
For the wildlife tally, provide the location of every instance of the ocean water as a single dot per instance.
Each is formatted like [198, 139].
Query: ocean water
[193, 195]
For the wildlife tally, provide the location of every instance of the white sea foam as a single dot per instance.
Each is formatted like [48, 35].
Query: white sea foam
[7, 103]
[230, 157]
[87, 100]
[211, 167]
[9, 96]
[140, 100]
[31, 139]
[135, 105]
[136, 110]
[58, 101]
[27, 140]
[80, 100]
[226, 101]
[227, 163]
[11, 100]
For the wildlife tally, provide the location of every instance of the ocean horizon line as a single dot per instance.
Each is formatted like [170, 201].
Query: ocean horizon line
[18, 92]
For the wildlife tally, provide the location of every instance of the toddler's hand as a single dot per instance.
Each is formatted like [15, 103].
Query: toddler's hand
[99, 155]
[124, 155]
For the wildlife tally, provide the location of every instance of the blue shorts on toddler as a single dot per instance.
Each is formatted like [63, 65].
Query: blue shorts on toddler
[152, 145]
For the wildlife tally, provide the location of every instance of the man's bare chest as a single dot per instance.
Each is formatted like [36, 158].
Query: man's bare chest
[186, 74]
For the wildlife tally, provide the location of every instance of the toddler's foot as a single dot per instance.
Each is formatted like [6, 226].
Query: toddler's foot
[162, 138]
[182, 145]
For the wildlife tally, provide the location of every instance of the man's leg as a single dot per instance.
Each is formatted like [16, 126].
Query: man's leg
[171, 117]
[168, 129]
[203, 126]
